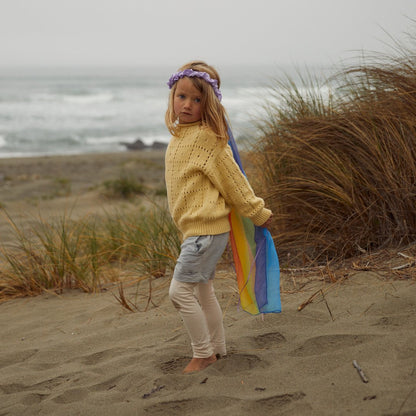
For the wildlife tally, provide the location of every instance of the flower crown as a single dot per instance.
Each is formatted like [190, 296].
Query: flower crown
[197, 74]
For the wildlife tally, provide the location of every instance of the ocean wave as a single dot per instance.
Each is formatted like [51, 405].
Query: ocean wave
[100, 140]
[147, 138]
[88, 98]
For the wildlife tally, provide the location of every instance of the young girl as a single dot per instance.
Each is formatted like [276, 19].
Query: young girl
[203, 182]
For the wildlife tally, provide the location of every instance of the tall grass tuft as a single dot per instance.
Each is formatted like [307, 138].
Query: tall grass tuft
[125, 186]
[150, 239]
[339, 162]
[87, 253]
[52, 255]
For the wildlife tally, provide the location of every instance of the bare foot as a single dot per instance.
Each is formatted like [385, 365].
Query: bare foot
[198, 364]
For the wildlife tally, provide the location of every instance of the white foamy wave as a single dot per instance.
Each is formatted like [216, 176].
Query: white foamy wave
[40, 97]
[102, 97]
[149, 139]
[108, 139]
[88, 99]
[2, 141]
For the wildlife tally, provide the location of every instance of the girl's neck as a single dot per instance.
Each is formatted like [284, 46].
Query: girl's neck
[195, 123]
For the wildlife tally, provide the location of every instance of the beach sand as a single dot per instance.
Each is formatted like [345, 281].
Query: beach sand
[55, 186]
[83, 354]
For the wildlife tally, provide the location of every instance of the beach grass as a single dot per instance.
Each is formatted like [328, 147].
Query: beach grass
[125, 186]
[338, 160]
[149, 235]
[87, 253]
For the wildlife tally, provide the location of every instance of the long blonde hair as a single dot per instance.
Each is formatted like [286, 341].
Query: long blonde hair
[213, 113]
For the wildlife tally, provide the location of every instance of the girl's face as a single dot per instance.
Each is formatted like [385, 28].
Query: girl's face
[187, 102]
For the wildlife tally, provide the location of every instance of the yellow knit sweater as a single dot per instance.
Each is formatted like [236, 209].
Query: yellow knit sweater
[204, 182]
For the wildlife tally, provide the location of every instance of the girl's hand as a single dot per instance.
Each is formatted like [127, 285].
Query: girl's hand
[267, 223]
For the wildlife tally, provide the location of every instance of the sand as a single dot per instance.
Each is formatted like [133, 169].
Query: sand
[43, 187]
[83, 354]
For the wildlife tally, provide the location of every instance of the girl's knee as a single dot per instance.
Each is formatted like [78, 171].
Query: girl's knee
[179, 293]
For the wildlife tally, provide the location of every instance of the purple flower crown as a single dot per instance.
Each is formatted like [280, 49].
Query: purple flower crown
[191, 73]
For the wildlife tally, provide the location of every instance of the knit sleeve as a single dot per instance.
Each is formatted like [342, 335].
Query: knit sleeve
[227, 177]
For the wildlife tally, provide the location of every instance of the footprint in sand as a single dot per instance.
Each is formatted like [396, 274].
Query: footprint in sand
[34, 398]
[231, 364]
[52, 383]
[330, 343]
[48, 385]
[122, 356]
[16, 357]
[220, 404]
[174, 366]
[238, 363]
[269, 340]
[97, 357]
[270, 404]
[192, 406]
[396, 320]
[12, 388]
[71, 396]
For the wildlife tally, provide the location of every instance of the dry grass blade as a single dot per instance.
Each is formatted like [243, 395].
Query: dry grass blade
[121, 298]
[322, 292]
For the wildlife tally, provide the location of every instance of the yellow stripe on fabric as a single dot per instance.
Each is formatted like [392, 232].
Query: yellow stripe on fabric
[245, 276]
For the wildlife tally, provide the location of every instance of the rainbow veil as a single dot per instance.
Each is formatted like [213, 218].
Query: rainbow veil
[255, 259]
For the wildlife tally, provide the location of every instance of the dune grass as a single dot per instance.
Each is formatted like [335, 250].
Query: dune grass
[125, 186]
[339, 162]
[150, 237]
[50, 256]
[87, 254]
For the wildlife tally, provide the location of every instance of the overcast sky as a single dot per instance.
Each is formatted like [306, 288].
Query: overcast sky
[154, 32]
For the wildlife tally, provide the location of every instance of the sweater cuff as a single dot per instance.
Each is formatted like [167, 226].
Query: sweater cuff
[261, 217]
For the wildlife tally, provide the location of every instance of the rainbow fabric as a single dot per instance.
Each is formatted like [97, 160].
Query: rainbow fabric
[255, 259]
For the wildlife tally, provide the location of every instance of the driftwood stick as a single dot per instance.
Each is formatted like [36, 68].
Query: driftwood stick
[360, 372]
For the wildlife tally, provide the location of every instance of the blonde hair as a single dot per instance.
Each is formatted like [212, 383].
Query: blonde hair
[213, 114]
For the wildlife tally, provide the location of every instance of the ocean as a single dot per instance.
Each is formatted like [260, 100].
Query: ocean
[94, 110]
